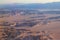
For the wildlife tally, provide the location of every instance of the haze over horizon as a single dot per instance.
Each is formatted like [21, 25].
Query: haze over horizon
[27, 1]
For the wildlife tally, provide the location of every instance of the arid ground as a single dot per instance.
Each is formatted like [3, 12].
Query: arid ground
[32, 20]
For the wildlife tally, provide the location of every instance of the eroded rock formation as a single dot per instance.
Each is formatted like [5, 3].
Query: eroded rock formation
[10, 33]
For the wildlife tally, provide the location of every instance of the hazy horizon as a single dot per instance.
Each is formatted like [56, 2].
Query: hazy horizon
[27, 1]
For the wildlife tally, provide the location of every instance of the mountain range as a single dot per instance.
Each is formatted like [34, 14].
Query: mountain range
[54, 5]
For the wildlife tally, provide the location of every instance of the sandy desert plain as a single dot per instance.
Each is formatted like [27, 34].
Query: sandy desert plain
[33, 22]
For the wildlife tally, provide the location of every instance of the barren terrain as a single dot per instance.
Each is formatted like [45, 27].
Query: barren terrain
[33, 21]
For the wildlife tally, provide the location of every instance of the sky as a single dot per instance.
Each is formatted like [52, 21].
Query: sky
[27, 1]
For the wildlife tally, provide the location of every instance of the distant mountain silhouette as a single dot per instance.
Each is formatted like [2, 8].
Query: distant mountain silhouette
[54, 5]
